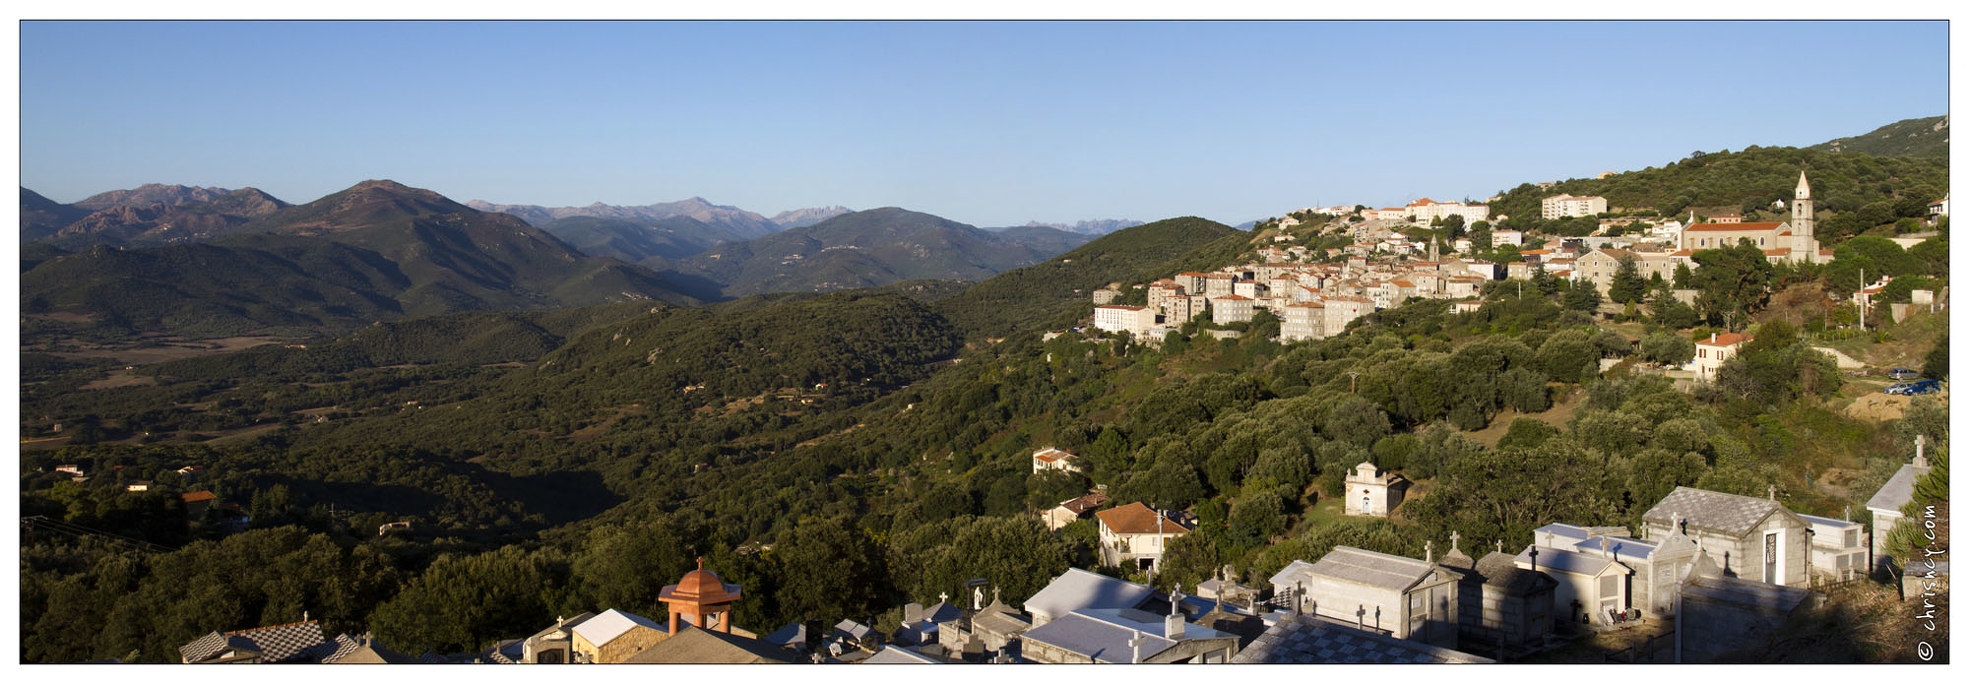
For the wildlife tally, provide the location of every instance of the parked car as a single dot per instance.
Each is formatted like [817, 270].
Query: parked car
[1917, 387]
[1903, 373]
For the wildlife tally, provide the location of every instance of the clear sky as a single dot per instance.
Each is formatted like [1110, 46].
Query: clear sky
[988, 123]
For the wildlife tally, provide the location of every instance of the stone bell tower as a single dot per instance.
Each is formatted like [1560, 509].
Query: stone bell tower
[1804, 228]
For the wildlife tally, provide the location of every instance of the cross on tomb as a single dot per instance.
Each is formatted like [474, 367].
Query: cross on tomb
[1453, 537]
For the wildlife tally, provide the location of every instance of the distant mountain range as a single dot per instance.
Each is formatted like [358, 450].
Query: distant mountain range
[1927, 137]
[376, 251]
[208, 262]
[1096, 227]
[864, 249]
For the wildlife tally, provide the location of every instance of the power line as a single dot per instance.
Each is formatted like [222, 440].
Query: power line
[40, 522]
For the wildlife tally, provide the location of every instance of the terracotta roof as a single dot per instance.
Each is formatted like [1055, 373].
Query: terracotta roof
[1725, 340]
[195, 497]
[1733, 227]
[1051, 454]
[1136, 518]
[1781, 251]
[1083, 504]
[1238, 298]
[1683, 253]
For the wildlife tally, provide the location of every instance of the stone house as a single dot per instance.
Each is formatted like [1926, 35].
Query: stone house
[1711, 353]
[1401, 597]
[1076, 589]
[1598, 267]
[614, 636]
[1839, 548]
[1659, 566]
[1230, 308]
[1072, 509]
[1499, 602]
[1746, 537]
[1051, 458]
[985, 633]
[1341, 310]
[1373, 492]
[553, 644]
[1135, 534]
[1721, 614]
[1302, 321]
[1591, 585]
[1126, 636]
[1886, 504]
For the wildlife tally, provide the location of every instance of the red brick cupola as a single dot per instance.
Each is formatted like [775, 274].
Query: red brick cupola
[700, 598]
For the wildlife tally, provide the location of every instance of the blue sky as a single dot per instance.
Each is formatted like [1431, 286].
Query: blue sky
[988, 123]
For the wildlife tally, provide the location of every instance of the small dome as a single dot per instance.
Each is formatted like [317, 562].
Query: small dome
[700, 586]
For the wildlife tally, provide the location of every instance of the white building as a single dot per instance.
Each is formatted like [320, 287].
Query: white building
[1230, 308]
[1566, 206]
[1372, 491]
[1135, 534]
[1123, 318]
[1050, 458]
[1401, 597]
[1712, 352]
[1302, 321]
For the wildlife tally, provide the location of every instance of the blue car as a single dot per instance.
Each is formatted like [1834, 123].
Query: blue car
[1912, 388]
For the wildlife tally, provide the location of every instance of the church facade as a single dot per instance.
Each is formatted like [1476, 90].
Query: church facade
[1794, 241]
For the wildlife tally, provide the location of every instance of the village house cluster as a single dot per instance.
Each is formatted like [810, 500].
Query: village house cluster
[1316, 294]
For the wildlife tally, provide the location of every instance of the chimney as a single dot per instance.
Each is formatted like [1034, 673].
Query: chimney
[1712, 338]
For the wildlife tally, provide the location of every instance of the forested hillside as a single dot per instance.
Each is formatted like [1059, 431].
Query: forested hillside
[1925, 137]
[1854, 193]
[568, 458]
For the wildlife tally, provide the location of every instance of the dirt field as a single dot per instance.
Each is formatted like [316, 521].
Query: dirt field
[120, 378]
[166, 349]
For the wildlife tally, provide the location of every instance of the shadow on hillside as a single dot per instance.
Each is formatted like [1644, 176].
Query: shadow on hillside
[560, 497]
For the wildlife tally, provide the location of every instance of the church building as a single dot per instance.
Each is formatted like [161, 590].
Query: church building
[1795, 241]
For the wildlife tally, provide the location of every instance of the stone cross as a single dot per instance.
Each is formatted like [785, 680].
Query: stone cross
[1772, 492]
[943, 596]
[1500, 546]
[1603, 546]
[1453, 537]
[994, 594]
